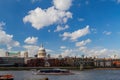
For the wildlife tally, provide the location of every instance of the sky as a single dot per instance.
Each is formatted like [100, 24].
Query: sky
[65, 27]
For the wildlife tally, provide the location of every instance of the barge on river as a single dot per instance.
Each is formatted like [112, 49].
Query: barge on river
[52, 72]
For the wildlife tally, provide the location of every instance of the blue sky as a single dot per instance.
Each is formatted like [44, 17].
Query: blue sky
[64, 27]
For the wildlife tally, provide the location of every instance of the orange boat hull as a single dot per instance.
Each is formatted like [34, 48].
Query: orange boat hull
[6, 77]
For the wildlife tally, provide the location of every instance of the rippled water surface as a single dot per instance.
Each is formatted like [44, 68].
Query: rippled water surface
[79, 75]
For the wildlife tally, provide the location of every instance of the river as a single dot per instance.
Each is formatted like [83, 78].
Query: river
[79, 75]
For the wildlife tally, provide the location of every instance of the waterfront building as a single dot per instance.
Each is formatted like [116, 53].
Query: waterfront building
[116, 63]
[103, 62]
[11, 61]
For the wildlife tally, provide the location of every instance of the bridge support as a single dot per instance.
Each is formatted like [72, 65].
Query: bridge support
[81, 67]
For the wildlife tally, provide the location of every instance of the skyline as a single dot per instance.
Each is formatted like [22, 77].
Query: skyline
[66, 27]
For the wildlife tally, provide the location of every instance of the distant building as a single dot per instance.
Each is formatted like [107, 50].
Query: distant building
[41, 52]
[26, 54]
[103, 62]
[48, 56]
[13, 54]
[16, 54]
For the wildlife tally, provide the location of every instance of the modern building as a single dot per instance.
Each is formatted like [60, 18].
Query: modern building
[12, 54]
[16, 54]
[11, 61]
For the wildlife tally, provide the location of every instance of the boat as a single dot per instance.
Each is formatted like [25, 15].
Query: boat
[6, 77]
[52, 72]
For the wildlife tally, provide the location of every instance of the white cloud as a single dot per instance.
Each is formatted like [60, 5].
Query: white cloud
[68, 52]
[2, 24]
[60, 28]
[40, 18]
[7, 39]
[99, 52]
[94, 30]
[83, 43]
[33, 1]
[49, 50]
[31, 40]
[93, 52]
[107, 33]
[62, 4]
[62, 47]
[118, 1]
[71, 53]
[2, 52]
[89, 52]
[32, 49]
[81, 19]
[76, 34]
[49, 30]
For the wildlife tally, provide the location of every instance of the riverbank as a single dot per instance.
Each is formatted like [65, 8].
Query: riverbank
[107, 68]
[29, 68]
[69, 68]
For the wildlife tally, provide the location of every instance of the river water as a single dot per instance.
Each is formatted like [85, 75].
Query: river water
[78, 75]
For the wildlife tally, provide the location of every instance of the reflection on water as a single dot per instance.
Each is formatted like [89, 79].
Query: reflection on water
[79, 75]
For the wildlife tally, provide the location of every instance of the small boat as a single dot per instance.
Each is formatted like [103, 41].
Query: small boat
[52, 72]
[6, 77]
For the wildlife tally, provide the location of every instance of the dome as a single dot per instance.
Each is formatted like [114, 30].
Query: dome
[41, 49]
[41, 52]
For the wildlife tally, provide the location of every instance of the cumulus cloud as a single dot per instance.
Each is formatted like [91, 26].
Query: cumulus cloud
[2, 24]
[99, 52]
[81, 19]
[60, 28]
[71, 53]
[94, 30]
[118, 1]
[76, 34]
[2, 52]
[49, 30]
[62, 4]
[107, 33]
[91, 52]
[67, 52]
[83, 43]
[62, 47]
[33, 1]
[49, 50]
[7, 39]
[40, 18]
[31, 40]
[32, 49]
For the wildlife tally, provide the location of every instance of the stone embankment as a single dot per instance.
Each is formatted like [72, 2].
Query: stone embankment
[44, 79]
